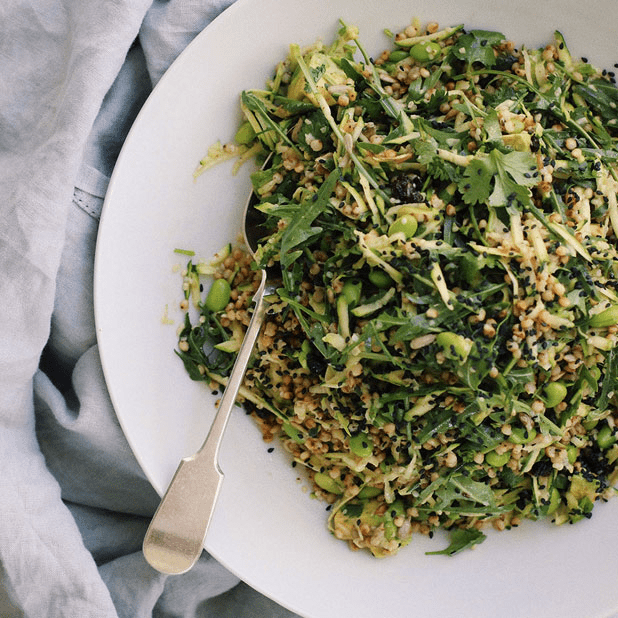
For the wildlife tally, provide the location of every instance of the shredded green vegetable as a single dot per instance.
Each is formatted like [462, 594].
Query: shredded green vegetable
[442, 350]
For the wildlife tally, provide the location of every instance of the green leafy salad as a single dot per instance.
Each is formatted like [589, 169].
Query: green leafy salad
[441, 352]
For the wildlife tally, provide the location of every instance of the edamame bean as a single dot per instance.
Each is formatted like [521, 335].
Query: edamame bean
[423, 52]
[369, 492]
[327, 483]
[554, 501]
[293, 433]
[497, 460]
[406, 224]
[245, 134]
[521, 435]
[454, 346]
[390, 530]
[352, 292]
[605, 437]
[361, 444]
[609, 317]
[218, 296]
[396, 509]
[398, 55]
[572, 453]
[555, 392]
[379, 278]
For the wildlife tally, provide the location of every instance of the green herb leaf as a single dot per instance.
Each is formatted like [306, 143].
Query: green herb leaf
[477, 46]
[314, 127]
[609, 381]
[511, 169]
[460, 539]
[300, 227]
[475, 186]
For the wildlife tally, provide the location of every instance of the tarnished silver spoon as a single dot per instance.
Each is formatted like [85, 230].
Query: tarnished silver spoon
[175, 538]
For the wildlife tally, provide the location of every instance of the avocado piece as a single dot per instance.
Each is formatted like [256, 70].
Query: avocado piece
[581, 496]
[330, 75]
[518, 141]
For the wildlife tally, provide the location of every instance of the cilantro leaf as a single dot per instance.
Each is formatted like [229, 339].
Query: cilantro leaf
[475, 186]
[511, 168]
[521, 166]
[512, 173]
[460, 539]
[443, 170]
[506, 191]
[477, 46]
[316, 73]
[491, 126]
[314, 127]
[426, 150]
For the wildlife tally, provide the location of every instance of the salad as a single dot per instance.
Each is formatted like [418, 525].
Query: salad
[441, 352]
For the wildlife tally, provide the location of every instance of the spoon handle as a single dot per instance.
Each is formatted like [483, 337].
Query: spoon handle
[175, 538]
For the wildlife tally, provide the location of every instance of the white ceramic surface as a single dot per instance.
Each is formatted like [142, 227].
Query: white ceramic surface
[266, 529]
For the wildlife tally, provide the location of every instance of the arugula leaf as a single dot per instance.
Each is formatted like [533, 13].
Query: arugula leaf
[315, 330]
[460, 539]
[293, 106]
[350, 70]
[609, 380]
[253, 103]
[300, 227]
[473, 490]
[602, 97]
[262, 177]
[369, 147]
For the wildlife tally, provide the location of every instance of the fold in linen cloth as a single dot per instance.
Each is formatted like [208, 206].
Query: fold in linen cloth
[74, 504]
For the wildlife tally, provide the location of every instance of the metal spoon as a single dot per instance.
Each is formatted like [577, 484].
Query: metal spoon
[175, 538]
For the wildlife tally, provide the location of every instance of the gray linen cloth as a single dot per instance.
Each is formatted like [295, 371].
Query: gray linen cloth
[74, 504]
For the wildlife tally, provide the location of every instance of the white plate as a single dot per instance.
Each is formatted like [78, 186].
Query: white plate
[266, 530]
